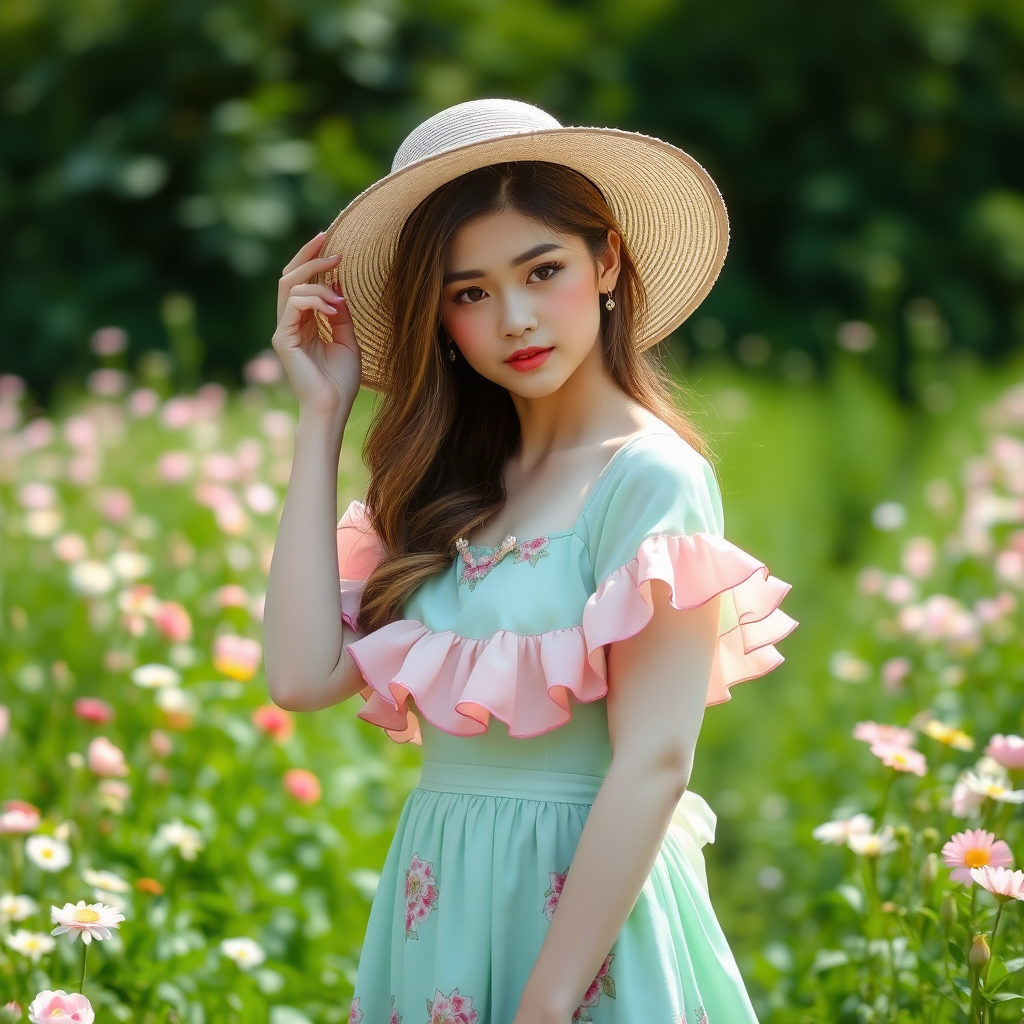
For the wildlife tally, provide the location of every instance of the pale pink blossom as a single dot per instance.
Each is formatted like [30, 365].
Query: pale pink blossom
[871, 581]
[919, 557]
[901, 758]
[900, 590]
[1003, 883]
[106, 382]
[264, 368]
[108, 341]
[894, 671]
[175, 466]
[173, 621]
[70, 547]
[355, 1015]
[888, 735]
[232, 595]
[18, 817]
[94, 710]
[91, 921]
[178, 412]
[115, 504]
[601, 985]
[80, 432]
[261, 498]
[50, 1006]
[220, 467]
[12, 387]
[303, 785]
[37, 495]
[160, 743]
[238, 657]
[5, 720]
[105, 758]
[974, 848]
[1007, 750]
[143, 402]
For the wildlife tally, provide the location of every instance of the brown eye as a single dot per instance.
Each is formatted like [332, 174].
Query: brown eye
[470, 295]
[546, 271]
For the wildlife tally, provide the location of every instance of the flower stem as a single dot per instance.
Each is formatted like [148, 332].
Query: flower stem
[992, 940]
[85, 954]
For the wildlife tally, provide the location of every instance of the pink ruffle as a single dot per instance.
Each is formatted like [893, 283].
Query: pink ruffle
[359, 551]
[457, 683]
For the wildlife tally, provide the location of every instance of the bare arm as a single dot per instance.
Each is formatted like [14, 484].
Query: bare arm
[658, 683]
[307, 665]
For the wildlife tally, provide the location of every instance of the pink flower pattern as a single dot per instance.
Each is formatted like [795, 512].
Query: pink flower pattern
[699, 1017]
[355, 1015]
[603, 984]
[553, 892]
[477, 562]
[421, 894]
[396, 1017]
[451, 1008]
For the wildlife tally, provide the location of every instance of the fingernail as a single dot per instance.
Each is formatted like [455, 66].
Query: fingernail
[332, 309]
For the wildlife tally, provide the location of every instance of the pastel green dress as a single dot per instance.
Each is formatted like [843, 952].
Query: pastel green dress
[498, 669]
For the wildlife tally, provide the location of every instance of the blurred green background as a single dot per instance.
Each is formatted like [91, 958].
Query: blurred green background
[869, 153]
[159, 163]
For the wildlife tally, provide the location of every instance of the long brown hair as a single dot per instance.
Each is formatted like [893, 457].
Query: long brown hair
[442, 433]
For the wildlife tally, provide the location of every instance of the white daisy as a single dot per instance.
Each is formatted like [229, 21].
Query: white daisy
[245, 952]
[34, 945]
[155, 675]
[16, 908]
[48, 852]
[105, 880]
[187, 839]
[92, 921]
[872, 844]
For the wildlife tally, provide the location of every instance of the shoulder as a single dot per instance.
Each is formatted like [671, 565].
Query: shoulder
[656, 484]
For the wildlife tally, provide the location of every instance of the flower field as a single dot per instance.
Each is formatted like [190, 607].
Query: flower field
[216, 855]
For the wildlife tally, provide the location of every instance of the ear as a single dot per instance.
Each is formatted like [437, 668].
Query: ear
[609, 265]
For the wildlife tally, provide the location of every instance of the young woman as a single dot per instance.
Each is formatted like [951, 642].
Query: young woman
[537, 588]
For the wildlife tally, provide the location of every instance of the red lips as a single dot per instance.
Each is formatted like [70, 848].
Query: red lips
[530, 358]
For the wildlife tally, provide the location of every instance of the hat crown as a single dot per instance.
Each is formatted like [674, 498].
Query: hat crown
[466, 123]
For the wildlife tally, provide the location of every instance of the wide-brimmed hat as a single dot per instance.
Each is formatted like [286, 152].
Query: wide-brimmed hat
[671, 212]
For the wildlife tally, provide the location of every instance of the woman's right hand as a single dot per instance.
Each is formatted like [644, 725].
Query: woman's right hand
[325, 377]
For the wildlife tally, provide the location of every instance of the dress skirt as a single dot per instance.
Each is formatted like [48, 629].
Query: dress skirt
[467, 892]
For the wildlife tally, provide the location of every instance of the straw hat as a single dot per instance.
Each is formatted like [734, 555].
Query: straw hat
[671, 212]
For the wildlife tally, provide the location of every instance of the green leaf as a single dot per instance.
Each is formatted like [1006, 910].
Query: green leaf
[956, 952]
[608, 986]
[1013, 965]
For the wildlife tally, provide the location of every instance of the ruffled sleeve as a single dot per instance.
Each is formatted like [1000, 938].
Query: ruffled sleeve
[359, 551]
[662, 519]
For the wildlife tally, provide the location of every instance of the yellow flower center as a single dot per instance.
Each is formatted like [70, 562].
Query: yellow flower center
[976, 858]
[86, 916]
[46, 853]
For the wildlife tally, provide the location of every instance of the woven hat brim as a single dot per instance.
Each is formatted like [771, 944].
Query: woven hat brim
[671, 212]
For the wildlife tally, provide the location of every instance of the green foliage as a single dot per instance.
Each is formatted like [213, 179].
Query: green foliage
[867, 151]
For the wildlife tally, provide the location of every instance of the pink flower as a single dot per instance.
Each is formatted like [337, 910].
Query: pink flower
[903, 759]
[532, 550]
[1003, 883]
[303, 785]
[974, 848]
[92, 709]
[116, 504]
[554, 892]
[237, 657]
[421, 893]
[451, 1008]
[1007, 750]
[18, 817]
[160, 743]
[601, 984]
[105, 758]
[274, 721]
[174, 467]
[173, 621]
[894, 671]
[888, 735]
[5, 720]
[355, 1015]
[51, 1006]
[232, 596]
[396, 1017]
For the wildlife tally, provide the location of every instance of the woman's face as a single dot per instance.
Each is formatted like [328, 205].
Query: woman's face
[522, 302]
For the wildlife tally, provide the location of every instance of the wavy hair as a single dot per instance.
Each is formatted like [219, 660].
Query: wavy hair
[442, 433]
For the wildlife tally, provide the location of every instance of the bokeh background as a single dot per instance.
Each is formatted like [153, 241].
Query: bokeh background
[161, 161]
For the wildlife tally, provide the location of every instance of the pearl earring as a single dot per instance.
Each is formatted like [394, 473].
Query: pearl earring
[610, 302]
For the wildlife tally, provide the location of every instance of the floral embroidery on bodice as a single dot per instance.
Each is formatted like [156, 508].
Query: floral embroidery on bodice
[478, 560]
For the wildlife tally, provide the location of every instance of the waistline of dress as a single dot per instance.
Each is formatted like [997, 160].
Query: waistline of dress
[517, 783]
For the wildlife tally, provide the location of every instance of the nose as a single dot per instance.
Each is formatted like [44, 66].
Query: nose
[517, 316]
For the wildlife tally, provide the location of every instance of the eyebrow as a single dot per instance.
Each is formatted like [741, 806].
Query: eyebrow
[530, 254]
